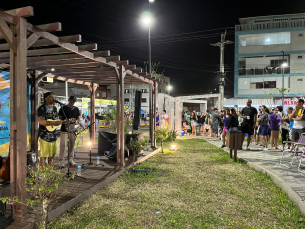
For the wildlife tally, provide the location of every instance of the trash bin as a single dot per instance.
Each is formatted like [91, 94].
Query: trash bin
[234, 142]
[182, 133]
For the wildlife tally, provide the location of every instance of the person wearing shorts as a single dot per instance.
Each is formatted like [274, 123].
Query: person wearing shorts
[298, 118]
[249, 115]
[226, 121]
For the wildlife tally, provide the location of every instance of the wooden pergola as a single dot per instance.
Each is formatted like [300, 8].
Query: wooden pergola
[33, 52]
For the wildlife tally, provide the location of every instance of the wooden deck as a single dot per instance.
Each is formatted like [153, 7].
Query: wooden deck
[95, 178]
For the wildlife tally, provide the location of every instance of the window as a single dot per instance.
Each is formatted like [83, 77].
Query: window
[143, 100]
[264, 39]
[300, 57]
[300, 79]
[126, 100]
[126, 91]
[269, 84]
[277, 63]
[144, 90]
[301, 35]
[159, 90]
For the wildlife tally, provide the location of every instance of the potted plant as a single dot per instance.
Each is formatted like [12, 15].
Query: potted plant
[137, 147]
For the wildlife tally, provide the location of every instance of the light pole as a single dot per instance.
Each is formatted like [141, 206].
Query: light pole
[147, 20]
[283, 66]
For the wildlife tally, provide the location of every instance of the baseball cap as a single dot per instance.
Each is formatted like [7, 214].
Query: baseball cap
[47, 94]
[72, 97]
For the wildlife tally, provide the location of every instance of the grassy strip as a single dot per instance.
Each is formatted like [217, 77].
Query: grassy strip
[196, 187]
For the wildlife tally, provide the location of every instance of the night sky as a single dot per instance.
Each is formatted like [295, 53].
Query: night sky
[181, 34]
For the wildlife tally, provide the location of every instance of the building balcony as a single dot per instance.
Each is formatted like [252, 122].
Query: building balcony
[262, 71]
[270, 25]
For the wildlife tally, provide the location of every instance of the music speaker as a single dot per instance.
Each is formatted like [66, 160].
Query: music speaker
[137, 110]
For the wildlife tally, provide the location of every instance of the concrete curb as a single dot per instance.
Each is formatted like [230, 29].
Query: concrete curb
[293, 196]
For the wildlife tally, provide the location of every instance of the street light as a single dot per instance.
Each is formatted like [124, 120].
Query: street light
[147, 20]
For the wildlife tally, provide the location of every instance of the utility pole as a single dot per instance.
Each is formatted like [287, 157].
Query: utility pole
[221, 83]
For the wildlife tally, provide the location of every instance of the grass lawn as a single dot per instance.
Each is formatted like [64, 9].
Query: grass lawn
[196, 187]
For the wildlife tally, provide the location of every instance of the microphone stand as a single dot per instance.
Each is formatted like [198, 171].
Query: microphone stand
[68, 174]
[90, 162]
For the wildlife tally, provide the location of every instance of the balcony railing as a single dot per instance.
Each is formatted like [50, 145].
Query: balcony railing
[262, 71]
[270, 25]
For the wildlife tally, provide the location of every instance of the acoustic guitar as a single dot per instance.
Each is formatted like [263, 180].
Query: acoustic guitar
[52, 128]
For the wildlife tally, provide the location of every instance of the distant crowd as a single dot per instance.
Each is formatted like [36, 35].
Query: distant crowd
[259, 126]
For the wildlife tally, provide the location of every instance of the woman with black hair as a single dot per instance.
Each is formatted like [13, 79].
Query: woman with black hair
[264, 126]
[226, 121]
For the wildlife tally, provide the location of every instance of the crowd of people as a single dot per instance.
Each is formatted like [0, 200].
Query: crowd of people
[261, 127]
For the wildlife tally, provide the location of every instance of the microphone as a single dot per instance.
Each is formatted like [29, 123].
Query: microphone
[60, 103]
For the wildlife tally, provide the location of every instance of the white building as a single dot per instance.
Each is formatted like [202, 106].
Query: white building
[130, 90]
[259, 42]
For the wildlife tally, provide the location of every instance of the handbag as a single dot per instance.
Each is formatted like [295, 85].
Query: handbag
[285, 125]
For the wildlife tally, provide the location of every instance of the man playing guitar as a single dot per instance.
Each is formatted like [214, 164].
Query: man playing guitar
[47, 139]
[71, 113]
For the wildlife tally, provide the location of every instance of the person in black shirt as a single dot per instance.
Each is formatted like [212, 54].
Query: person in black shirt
[71, 113]
[47, 139]
[249, 115]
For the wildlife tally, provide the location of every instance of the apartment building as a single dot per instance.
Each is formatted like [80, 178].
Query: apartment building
[266, 47]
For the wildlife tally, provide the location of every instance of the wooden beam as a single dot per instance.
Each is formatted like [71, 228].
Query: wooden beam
[102, 53]
[121, 62]
[112, 58]
[51, 27]
[65, 39]
[27, 11]
[72, 65]
[52, 51]
[9, 36]
[32, 39]
[98, 71]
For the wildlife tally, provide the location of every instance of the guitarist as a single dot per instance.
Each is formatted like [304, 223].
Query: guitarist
[71, 113]
[47, 139]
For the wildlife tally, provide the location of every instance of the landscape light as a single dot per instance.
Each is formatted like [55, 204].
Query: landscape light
[52, 69]
[89, 143]
[284, 65]
[151, 0]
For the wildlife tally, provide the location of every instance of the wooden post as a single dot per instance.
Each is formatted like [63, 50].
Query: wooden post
[92, 133]
[18, 124]
[34, 112]
[235, 146]
[118, 127]
[122, 143]
[153, 115]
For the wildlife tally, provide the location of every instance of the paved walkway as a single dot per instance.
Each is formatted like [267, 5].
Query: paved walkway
[290, 180]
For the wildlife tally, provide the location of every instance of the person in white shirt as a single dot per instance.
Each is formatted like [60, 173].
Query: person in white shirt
[165, 119]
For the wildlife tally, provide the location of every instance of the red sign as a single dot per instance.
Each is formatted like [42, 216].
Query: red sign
[289, 101]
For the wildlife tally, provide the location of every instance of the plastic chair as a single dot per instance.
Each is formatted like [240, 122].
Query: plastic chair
[294, 149]
[301, 157]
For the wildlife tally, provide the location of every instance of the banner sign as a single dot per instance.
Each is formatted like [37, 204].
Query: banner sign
[5, 113]
[100, 101]
[288, 101]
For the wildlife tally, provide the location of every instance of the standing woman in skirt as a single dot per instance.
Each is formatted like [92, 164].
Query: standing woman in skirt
[264, 126]
[193, 123]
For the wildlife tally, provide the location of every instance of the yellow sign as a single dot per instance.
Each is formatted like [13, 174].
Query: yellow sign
[85, 105]
[100, 101]
[85, 100]
[50, 79]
